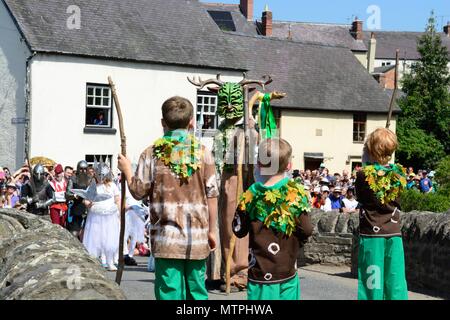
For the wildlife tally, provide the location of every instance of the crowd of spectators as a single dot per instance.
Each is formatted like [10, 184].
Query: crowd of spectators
[337, 192]
[11, 184]
[422, 181]
[329, 192]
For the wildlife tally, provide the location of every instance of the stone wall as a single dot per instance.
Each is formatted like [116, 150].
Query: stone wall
[426, 242]
[41, 261]
[331, 242]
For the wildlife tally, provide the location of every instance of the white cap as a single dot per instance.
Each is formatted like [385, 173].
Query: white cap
[324, 180]
[325, 188]
[306, 187]
[317, 189]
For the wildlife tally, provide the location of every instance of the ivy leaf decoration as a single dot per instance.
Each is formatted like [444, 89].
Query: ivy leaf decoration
[277, 209]
[292, 195]
[386, 182]
[182, 156]
[272, 196]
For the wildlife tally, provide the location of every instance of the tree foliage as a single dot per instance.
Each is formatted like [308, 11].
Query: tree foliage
[415, 200]
[424, 124]
[442, 176]
[417, 148]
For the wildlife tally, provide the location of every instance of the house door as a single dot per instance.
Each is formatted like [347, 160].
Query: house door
[312, 164]
[313, 160]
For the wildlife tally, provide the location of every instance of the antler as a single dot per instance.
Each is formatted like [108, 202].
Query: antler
[200, 84]
[263, 84]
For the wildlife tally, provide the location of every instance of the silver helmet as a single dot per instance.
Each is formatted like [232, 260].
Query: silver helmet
[82, 166]
[102, 170]
[39, 178]
[82, 177]
[39, 173]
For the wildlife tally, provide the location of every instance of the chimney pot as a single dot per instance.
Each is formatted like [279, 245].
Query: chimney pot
[447, 29]
[357, 29]
[267, 22]
[247, 9]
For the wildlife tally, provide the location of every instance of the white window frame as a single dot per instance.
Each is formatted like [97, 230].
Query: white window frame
[202, 105]
[358, 130]
[101, 106]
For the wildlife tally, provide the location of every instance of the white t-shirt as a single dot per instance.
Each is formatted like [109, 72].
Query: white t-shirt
[327, 205]
[350, 204]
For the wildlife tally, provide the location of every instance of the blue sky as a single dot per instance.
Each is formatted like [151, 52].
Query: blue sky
[394, 15]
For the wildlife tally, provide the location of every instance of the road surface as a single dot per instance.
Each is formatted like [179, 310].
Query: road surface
[317, 282]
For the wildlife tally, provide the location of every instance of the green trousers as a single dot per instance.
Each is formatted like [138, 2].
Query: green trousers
[180, 279]
[381, 269]
[289, 290]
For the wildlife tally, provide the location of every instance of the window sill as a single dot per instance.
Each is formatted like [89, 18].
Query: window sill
[209, 133]
[358, 142]
[97, 130]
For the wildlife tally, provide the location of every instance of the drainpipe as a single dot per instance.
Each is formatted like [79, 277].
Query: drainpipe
[28, 104]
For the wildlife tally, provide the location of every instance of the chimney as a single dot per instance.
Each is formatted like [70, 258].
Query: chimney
[247, 9]
[357, 29]
[267, 22]
[381, 78]
[371, 53]
[446, 29]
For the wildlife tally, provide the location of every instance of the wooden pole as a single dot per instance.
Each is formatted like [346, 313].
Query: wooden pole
[242, 175]
[123, 146]
[247, 139]
[239, 191]
[394, 94]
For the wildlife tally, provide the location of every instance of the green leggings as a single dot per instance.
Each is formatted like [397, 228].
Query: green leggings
[289, 290]
[381, 269]
[180, 279]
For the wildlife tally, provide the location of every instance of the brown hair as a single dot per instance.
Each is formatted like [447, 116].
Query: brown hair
[177, 112]
[274, 149]
[381, 144]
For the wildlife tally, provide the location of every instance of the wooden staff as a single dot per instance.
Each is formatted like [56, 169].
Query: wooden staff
[239, 190]
[394, 94]
[123, 146]
[258, 96]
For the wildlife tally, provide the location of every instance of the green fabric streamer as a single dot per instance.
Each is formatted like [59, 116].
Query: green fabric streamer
[267, 121]
[176, 135]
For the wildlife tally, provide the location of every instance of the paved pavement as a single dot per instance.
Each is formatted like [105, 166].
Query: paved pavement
[317, 282]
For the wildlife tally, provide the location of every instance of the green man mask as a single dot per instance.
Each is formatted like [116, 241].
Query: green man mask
[231, 101]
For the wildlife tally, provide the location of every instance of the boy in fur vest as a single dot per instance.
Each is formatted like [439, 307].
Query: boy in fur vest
[274, 214]
[178, 176]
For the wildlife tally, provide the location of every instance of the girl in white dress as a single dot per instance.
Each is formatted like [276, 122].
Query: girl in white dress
[134, 226]
[101, 233]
